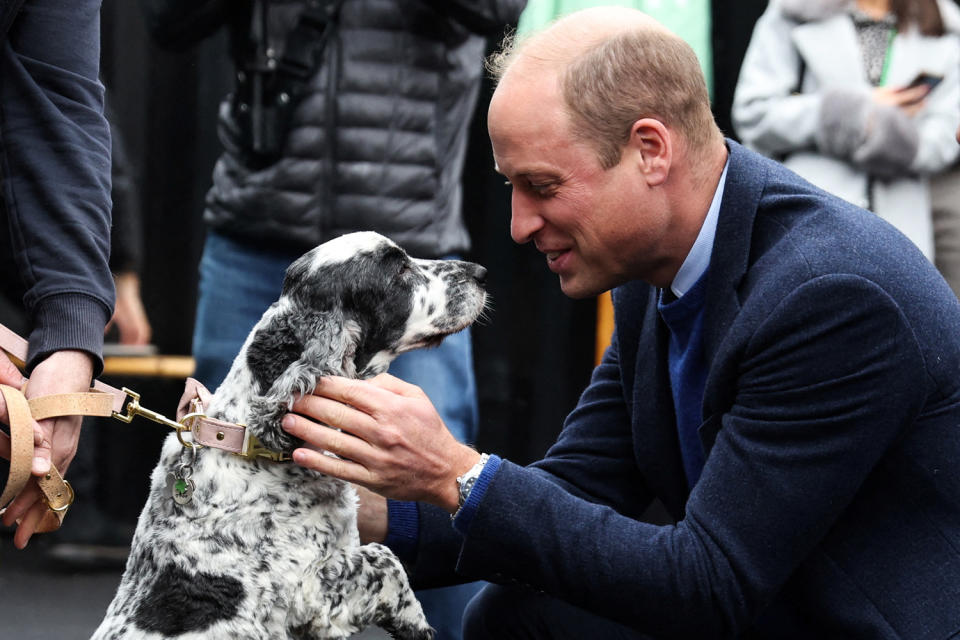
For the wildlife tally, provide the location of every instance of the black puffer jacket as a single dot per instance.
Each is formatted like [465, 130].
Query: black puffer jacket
[403, 76]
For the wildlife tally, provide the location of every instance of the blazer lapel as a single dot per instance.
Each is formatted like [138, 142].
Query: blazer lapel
[731, 245]
[728, 266]
[655, 426]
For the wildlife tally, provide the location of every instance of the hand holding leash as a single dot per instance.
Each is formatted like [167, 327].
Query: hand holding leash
[62, 372]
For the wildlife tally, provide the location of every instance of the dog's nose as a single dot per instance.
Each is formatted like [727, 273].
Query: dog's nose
[478, 273]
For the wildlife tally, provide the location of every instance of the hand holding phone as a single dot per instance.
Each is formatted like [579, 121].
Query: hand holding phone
[930, 80]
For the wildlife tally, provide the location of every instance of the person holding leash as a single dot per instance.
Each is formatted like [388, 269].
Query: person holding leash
[55, 165]
[782, 378]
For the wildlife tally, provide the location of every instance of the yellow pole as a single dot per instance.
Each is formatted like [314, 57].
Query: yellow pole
[604, 324]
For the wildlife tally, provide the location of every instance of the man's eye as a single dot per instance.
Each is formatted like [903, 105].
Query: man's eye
[542, 188]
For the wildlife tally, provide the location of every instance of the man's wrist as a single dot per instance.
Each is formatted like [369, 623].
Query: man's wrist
[463, 518]
[467, 480]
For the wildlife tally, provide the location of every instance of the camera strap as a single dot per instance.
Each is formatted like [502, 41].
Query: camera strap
[270, 86]
[305, 43]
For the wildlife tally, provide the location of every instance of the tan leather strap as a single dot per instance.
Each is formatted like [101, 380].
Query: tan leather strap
[19, 446]
[16, 347]
[92, 403]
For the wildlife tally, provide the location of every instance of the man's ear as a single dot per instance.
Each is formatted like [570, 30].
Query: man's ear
[653, 146]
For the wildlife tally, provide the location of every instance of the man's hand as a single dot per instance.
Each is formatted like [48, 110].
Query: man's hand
[392, 440]
[129, 315]
[372, 520]
[61, 372]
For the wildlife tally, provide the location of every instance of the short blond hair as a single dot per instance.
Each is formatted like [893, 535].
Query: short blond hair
[633, 74]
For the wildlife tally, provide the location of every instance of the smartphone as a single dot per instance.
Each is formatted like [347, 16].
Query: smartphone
[923, 78]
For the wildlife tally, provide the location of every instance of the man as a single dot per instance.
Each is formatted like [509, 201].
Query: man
[55, 152]
[782, 377]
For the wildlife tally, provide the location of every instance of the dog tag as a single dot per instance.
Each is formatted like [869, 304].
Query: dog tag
[181, 489]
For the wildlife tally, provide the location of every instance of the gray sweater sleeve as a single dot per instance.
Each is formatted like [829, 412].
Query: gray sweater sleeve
[55, 162]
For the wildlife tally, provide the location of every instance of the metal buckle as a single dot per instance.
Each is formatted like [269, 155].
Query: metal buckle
[134, 409]
[69, 502]
[253, 448]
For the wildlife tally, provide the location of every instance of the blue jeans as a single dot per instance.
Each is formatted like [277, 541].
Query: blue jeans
[238, 281]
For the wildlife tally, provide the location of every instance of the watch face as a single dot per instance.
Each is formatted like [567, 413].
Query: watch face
[465, 488]
[467, 480]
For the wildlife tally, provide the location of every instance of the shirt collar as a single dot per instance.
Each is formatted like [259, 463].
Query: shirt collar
[697, 261]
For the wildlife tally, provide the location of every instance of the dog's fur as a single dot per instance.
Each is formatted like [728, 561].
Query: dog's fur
[268, 549]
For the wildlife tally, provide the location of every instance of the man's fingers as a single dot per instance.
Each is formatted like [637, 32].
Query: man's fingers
[325, 438]
[331, 466]
[335, 413]
[360, 394]
[28, 525]
[66, 436]
[42, 449]
[396, 385]
[9, 374]
[30, 495]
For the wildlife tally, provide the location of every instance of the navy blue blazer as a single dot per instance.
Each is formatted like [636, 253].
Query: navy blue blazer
[829, 505]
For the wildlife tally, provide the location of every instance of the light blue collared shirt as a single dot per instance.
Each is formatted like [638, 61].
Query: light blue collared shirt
[698, 259]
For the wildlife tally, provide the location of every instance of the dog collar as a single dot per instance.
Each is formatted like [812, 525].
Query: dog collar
[227, 436]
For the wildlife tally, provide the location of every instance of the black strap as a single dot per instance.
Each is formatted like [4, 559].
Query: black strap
[305, 43]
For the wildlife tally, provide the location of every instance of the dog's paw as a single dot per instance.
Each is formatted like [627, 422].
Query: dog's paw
[411, 632]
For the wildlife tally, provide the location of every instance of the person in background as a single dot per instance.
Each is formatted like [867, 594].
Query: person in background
[55, 163]
[96, 539]
[347, 116]
[782, 377]
[945, 203]
[858, 97]
[126, 244]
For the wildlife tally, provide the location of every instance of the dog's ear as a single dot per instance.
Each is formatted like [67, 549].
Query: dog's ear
[286, 357]
[272, 349]
[301, 342]
[315, 289]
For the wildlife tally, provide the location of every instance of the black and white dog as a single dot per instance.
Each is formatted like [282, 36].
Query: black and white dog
[257, 549]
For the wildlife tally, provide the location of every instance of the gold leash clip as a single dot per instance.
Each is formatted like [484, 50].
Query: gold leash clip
[134, 409]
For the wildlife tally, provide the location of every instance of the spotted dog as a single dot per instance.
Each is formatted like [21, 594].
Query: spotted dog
[258, 549]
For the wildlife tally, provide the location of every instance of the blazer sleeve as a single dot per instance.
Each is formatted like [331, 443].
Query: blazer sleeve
[592, 460]
[810, 421]
[593, 456]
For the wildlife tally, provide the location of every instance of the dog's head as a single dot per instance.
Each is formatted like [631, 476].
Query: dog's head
[350, 306]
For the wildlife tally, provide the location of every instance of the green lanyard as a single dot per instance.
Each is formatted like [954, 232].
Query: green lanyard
[886, 57]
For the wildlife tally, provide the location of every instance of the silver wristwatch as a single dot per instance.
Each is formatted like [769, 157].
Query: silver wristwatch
[467, 480]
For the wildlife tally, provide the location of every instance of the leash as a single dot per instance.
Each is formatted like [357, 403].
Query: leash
[102, 400]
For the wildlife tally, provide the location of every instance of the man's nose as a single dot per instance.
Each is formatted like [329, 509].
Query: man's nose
[525, 221]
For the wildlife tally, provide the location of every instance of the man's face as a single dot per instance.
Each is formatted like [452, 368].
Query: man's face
[598, 228]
